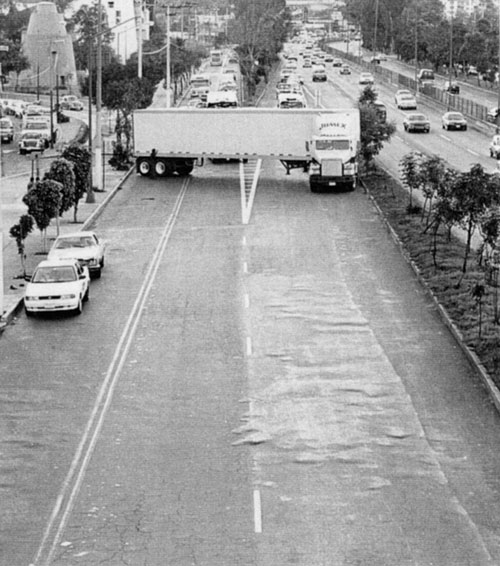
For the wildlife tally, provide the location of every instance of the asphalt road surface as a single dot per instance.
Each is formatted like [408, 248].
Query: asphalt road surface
[281, 392]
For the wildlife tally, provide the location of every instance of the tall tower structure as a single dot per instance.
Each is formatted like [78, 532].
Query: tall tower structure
[49, 50]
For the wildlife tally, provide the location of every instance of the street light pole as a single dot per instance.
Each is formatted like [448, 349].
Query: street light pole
[498, 72]
[450, 62]
[98, 102]
[167, 77]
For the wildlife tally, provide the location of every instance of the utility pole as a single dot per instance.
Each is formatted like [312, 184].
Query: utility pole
[167, 76]
[98, 102]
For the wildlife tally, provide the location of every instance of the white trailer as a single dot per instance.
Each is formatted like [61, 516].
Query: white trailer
[324, 142]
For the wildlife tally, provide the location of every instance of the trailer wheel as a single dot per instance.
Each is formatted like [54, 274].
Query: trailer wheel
[161, 168]
[144, 166]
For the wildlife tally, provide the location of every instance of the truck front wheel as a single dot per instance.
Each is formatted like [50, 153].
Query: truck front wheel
[144, 166]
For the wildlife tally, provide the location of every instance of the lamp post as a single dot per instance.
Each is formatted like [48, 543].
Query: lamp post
[3, 49]
[53, 54]
[498, 72]
[450, 73]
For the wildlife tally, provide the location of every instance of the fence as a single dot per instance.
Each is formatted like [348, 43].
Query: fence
[450, 101]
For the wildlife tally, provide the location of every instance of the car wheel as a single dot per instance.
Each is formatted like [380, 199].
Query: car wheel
[28, 312]
[465, 128]
[97, 274]
[86, 297]
[79, 307]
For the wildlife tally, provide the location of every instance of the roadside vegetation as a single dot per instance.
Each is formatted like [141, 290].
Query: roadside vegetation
[465, 281]
[405, 26]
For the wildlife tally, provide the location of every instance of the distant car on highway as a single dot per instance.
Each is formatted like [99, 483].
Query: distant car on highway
[57, 285]
[366, 79]
[345, 70]
[453, 121]
[452, 87]
[83, 246]
[71, 102]
[495, 147]
[337, 63]
[406, 101]
[492, 115]
[416, 122]
[6, 130]
[400, 92]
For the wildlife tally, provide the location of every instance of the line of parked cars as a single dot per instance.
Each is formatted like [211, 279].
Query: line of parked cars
[61, 283]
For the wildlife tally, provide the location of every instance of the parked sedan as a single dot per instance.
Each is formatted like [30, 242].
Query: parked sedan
[82, 246]
[406, 101]
[57, 285]
[453, 121]
[416, 122]
[366, 79]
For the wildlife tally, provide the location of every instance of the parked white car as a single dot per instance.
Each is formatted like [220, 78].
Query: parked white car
[71, 102]
[57, 285]
[83, 246]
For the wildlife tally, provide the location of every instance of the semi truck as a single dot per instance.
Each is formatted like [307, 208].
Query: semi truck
[323, 142]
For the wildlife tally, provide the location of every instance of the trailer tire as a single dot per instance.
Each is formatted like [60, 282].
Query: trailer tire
[144, 166]
[161, 168]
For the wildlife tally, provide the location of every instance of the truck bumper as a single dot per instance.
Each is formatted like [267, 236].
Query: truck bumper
[318, 183]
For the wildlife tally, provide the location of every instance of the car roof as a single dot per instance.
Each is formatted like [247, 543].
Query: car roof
[57, 262]
[76, 234]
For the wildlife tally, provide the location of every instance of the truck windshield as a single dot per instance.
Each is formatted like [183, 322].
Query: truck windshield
[329, 144]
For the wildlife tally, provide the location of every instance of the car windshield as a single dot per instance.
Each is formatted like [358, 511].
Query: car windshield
[62, 274]
[417, 117]
[325, 145]
[455, 116]
[36, 126]
[74, 242]
[406, 97]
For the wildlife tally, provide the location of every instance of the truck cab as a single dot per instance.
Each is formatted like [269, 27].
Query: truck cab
[334, 151]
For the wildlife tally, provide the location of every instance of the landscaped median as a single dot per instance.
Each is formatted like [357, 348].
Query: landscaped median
[467, 301]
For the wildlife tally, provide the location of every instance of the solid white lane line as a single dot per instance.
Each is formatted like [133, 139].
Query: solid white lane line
[249, 346]
[444, 137]
[245, 267]
[244, 240]
[71, 486]
[257, 511]
[473, 152]
[247, 300]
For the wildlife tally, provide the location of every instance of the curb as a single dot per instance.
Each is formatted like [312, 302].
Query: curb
[12, 310]
[455, 332]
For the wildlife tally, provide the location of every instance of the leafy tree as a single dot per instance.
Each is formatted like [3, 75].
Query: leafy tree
[61, 170]
[81, 159]
[374, 129]
[432, 171]
[411, 174]
[474, 194]
[43, 202]
[260, 28]
[84, 26]
[20, 232]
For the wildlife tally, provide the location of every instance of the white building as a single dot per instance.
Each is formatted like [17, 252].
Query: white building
[454, 7]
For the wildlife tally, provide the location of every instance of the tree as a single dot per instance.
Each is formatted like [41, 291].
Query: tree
[81, 159]
[61, 170]
[432, 172]
[411, 174]
[374, 129]
[43, 202]
[20, 232]
[474, 194]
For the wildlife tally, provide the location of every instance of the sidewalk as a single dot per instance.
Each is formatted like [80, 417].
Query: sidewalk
[13, 188]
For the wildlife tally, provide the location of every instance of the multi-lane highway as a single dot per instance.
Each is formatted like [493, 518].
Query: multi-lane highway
[277, 392]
